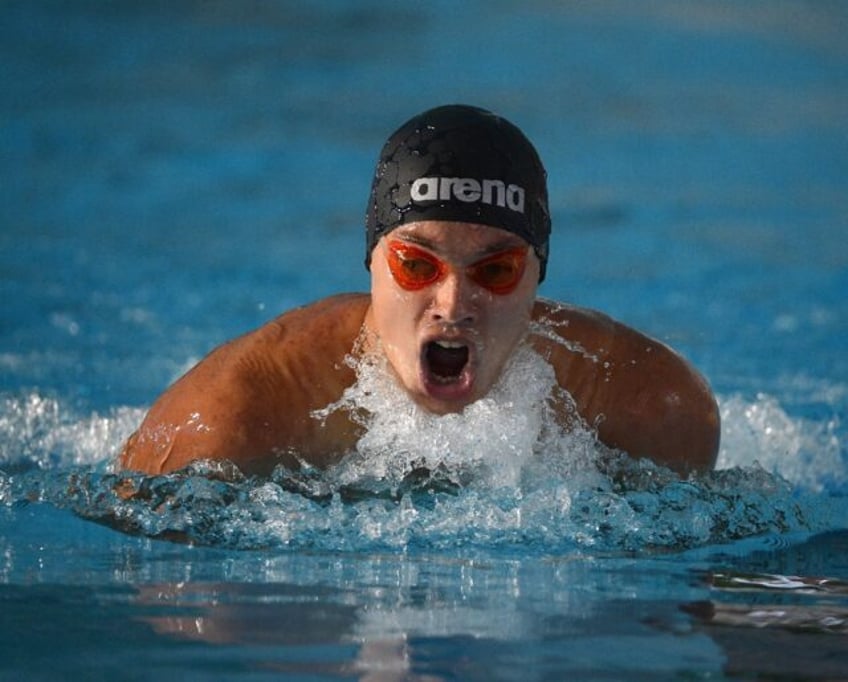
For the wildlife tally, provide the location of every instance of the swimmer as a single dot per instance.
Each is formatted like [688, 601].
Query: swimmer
[457, 233]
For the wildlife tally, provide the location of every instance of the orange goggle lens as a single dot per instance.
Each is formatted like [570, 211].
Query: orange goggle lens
[414, 268]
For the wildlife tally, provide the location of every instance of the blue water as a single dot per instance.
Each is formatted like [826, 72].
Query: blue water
[175, 174]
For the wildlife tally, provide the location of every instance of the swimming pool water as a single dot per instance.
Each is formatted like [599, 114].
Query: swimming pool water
[177, 174]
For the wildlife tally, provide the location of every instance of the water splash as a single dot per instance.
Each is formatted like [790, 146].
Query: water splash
[808, 453]
[505, 476]
[40, 432]
[490, 443]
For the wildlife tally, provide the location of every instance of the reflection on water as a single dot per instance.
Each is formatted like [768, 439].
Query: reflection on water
[407, 618]
[787, 615]
[398, 617]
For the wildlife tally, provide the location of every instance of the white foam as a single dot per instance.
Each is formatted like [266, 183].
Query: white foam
[41, 431]
[494, 437]
[806, 453]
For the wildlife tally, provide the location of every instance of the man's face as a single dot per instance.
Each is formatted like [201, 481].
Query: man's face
[450, 302]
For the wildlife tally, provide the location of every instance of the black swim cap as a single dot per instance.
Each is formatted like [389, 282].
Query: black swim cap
[460, 163]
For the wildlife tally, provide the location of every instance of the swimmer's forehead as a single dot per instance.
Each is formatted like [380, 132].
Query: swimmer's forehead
[451, 236]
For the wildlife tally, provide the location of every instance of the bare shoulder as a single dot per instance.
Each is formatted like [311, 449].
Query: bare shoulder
[342, 312]
[251, 399]
[308, 334]
[644, 397]
[302, 339]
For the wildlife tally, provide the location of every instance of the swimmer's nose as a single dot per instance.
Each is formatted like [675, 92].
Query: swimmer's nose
[454, 301]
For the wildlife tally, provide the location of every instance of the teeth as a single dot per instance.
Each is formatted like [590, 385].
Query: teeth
[450, 344]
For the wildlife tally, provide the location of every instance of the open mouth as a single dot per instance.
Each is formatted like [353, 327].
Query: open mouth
[446, 360]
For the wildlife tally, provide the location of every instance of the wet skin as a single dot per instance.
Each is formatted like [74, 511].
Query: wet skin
[454, 313]
[251, 400]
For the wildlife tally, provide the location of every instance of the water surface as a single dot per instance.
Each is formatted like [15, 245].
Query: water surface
[175, 175]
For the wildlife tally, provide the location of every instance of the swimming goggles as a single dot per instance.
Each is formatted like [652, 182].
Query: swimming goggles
[414, 268]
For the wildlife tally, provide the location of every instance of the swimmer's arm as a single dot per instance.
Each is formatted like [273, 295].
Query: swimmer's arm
[204, 415]
[643, 397]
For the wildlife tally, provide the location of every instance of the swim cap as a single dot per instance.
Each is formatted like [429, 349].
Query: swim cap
[460, 163]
